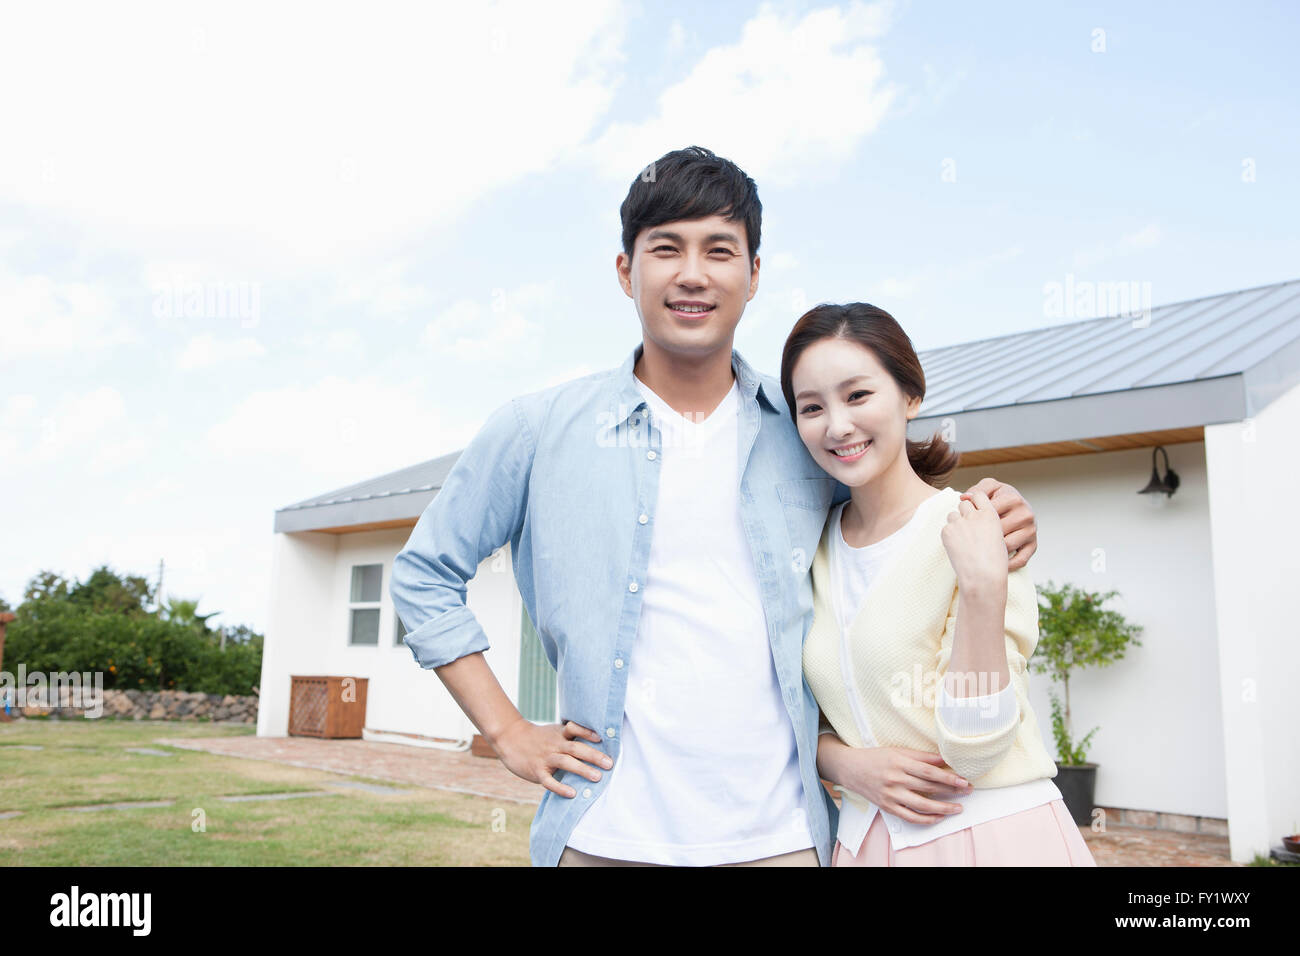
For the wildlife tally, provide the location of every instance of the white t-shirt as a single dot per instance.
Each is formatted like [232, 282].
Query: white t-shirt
[708, 771]
[852, 572]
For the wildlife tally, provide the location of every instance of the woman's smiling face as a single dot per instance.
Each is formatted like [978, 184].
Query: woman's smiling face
[846, 400]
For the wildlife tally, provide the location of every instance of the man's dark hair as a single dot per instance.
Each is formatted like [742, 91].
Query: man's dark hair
[691, 183]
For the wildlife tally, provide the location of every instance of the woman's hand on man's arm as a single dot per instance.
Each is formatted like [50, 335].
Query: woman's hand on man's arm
[1019, 527]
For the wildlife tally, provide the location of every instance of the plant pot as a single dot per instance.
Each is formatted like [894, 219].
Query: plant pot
[1077, 784]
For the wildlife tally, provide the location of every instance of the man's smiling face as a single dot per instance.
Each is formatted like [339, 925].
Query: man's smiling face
[690, 281]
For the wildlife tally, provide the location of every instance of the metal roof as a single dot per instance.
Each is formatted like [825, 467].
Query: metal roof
[396, 495]
[1205, 361]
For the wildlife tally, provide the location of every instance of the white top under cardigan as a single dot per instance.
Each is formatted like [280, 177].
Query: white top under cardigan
[708, 771]
[852, 571]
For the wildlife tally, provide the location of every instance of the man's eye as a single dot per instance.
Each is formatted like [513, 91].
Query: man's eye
[657, 248]
[721, 249]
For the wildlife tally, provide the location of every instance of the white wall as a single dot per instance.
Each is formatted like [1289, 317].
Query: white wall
[1256, 528]
[1160, 746]
[308, 634]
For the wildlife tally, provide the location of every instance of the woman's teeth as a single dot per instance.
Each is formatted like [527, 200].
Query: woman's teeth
[850, 452]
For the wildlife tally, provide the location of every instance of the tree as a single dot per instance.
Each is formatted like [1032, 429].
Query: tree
[107, 592]
[46, 586]
[1075, 631]
[186, 613]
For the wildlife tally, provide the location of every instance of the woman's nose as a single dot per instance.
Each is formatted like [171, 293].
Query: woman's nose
[838, 423]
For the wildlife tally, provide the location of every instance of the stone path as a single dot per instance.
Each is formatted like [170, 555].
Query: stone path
[401, 763]
[463, 773]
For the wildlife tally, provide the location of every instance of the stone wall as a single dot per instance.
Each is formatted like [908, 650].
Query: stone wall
[159, 705]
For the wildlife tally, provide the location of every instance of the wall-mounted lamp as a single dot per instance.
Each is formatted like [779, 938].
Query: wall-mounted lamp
[1168, 484]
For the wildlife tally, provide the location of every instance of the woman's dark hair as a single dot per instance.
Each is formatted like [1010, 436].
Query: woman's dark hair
[691, 183]
[933, 460]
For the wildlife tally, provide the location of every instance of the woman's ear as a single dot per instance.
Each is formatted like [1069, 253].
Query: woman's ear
[913, 406]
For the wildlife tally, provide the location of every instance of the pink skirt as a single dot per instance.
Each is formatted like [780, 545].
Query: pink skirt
[1040, 836]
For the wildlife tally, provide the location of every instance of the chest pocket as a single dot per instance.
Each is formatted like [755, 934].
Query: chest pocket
[805, 502]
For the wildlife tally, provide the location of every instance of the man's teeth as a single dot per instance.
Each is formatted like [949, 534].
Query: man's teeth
[849, 452]
[692, 308]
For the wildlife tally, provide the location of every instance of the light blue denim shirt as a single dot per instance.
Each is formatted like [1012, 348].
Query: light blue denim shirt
[570, 476]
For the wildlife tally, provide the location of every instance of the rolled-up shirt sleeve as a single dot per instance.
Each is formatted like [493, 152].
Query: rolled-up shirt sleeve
[479, 508]
[970, 716]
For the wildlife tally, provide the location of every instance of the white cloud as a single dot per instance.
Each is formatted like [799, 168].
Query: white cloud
[41, 315]
[91, 427]
[337, 430]
[779, 262]
[490, 328]
[382, 291]
[676, 38]
[1147, 237]
[791, 96]
[300, 128]
[206, 350]
[891, 288]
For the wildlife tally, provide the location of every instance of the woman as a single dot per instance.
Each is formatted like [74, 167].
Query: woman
[920, 634]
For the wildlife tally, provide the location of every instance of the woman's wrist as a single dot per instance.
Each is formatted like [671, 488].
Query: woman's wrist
[983, 592]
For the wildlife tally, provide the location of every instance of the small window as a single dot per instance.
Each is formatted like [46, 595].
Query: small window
[363, 604]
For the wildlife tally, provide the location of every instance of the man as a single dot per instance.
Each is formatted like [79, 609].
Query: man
[662, 517]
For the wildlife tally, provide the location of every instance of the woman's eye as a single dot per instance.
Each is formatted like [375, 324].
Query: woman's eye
[856, 394]
[807, 408]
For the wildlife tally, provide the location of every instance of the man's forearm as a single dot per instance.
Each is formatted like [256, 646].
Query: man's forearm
[829, 746]
[478, 693]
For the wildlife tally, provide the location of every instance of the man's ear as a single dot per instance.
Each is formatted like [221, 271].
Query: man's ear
[753, 280]
[623, 266]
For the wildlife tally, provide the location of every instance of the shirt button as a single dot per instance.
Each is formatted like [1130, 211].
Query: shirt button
[632, 587]
[611, 732]
[586, 791]
[651, 455]
[643, 519]
[618, 663]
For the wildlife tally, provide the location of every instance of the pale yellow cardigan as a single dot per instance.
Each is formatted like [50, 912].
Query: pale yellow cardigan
[905, 628]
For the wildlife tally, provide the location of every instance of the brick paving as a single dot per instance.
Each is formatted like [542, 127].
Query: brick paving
[403, 763]
[460, 772]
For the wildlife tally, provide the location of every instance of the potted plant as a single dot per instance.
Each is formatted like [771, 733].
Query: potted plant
[1075, 631]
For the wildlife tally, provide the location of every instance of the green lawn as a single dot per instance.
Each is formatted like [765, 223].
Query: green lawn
[86, 762]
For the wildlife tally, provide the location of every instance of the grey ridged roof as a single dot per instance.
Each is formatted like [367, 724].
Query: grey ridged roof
[1205, 361]
[1184, 342]
[398, 494]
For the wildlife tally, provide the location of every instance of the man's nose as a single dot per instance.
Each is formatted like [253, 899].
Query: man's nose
[692, 271]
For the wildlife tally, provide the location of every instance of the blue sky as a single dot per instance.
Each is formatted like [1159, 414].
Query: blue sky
[415, 213]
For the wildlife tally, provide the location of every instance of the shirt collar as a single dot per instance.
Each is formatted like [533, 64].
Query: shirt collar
[626, 398]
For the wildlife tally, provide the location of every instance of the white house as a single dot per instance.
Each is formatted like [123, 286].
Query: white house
[1197, 726]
